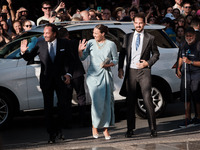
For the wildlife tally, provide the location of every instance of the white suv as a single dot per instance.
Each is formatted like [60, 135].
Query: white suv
[19, 82]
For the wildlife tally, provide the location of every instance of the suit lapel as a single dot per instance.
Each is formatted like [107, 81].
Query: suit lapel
[145, 43]
[130, 46]
[46, 51]
[57, 49]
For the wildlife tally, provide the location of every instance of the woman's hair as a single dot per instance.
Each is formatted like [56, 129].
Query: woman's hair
[102, 28]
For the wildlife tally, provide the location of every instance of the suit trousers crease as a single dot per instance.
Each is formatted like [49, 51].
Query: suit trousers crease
[140, 77]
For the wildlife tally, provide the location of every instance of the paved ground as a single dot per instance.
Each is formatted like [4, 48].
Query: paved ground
[32, 137]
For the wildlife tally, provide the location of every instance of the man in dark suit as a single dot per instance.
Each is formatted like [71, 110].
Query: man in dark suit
[77, 80]
[56, 62]
[141, 53]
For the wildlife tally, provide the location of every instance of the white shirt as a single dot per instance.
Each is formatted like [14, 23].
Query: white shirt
[136, 54]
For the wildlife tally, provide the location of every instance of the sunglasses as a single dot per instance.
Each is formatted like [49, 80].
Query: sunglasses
[187, 7]
[46, 7]
[28, 26]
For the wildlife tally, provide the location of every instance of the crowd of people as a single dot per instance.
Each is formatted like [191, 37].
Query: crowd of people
[182, 21]
[174, 15]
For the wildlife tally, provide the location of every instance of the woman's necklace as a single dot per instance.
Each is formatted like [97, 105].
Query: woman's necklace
[100, 46]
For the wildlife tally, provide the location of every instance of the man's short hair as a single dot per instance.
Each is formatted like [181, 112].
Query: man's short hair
[139, 15]
[190, 30]
[195, 22]
[46, 2]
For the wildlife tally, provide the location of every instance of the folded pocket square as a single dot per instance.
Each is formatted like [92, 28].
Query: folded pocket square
[62, 50]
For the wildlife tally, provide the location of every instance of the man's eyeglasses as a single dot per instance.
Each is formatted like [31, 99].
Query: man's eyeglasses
[187, 7]
[28, 26]
[46, 7]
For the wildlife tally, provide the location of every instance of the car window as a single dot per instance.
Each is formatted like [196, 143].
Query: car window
[12, 49]
[161, 39]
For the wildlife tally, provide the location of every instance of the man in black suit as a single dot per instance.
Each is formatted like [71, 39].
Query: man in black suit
[141, 53]
[77, 80]
[56, 62]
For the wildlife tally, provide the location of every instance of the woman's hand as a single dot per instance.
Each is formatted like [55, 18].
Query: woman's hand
[108, 65]
[82, 45]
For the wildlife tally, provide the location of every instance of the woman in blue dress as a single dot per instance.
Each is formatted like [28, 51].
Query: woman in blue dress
[103, 55]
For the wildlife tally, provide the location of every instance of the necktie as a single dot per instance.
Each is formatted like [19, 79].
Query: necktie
[51, 53]
[137, 41]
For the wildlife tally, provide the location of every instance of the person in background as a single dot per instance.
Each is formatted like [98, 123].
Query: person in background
[22, 14]
[181, 21]
[17, 28]
[133, 12]
[176, 13]
[169, 28]
[3, 39]
[27, 25]
[85, 15]
[141, 53]
[77, 80]
[92, 14]
[49, 15]
[180, 36]
[119, 13]
[187, 8]
[195, 23]
[106, 14]
[152, 20]
[103, 56]
[169, 10]
[7, 31]
[190, 54]
[178, 4]
[188, 19]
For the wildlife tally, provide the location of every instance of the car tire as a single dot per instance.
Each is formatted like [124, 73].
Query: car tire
[6, 110]
[159, 96]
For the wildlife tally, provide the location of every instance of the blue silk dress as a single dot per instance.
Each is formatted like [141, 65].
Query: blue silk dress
[100, 82]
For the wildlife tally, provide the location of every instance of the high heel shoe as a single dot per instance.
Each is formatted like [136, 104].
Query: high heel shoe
[107, 137]
[96, 136]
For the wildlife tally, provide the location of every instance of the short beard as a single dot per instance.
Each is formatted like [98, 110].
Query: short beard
[190, 42]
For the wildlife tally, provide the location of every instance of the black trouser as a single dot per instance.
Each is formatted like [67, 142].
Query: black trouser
[78, 85]
[143, 78]
[55, 122]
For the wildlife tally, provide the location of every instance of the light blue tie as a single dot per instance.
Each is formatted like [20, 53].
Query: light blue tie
[137, 41]
[51, 53]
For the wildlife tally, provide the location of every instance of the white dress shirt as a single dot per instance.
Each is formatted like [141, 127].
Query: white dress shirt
[135, 54]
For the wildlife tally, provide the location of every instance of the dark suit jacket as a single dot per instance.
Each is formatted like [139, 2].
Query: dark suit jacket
[149, 53]
[78, 69]
[51, 70]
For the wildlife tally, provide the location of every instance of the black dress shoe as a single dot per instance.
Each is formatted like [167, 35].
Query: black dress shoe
[52, 138]
[153, 133]
[129, 134]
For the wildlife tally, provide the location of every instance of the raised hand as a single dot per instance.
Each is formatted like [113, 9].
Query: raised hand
[82, 45]
[23, 46]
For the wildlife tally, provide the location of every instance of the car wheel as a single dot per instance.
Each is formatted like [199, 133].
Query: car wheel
[6, 110]
[159, 97]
